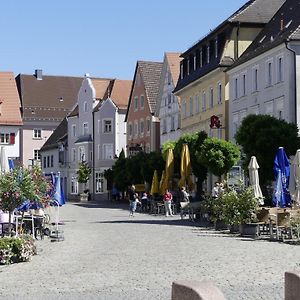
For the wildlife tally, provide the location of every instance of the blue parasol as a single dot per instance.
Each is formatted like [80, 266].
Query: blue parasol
[59, 194]
[281, 196]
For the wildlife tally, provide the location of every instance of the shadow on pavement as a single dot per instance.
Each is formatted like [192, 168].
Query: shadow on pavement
[103, 204]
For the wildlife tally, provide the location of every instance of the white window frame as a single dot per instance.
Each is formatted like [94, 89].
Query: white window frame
[99, 182]
[85, 128]
[279, 69]
[142, 102]
[172, 123]
[81, 154]
[136, 129]
[136, 103]
[106, 128]
[105, 152]
[5, 138]
[37, 133]
[244, 84]
[36, 154]
[235, 90]
[85, 106]
[73, 154]
[211, 97]
[255, 85]
[142, 127]
[74, 130]
[203, 101]
[269, 72]
[219, 92]
[191, 106]
[183, 109]
[148, 124]
[197, 103]
[216, 48]
[74, 185]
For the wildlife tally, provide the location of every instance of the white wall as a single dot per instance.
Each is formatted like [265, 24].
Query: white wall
[12, 150]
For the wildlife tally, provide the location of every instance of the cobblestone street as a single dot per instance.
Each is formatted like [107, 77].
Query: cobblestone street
[108, 255]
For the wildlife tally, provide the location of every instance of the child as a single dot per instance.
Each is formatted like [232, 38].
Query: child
[133, 204]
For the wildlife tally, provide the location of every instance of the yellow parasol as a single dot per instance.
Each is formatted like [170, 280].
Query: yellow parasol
[155, 184]
[169, 169]
[185, 168]
[162, 183]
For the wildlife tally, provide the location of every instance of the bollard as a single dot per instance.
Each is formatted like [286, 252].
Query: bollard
[292, 285]
[195, 290]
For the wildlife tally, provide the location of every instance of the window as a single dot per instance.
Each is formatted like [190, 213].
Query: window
[142, 127]
[164, 129]
[197, 104]
[211, 102]
[148, 126]
[235, 88]
[48, 161]
[36, 154]
[216, 48]
[147, 150]
[280, 70]
[181, 70]
[108, 151]
[179, 121]
[195, 63]
[85, 128]
[269, 108]
[169, 98]
[203, 101]
[269, 73]
[201, 59]
[130, 129]
[4, 138]
[136, 129]
[188, 66]
[219, 93]
[235, 122]
[184, 109]
[244, 85]
[142, 101]
[51, 161]
[191, 106]
[73, 154]
[85, 106]
[172, 123]
[37, 133]
[44, 162]
[73, 130]
[107, 126]
[99, 181]
[81, 154]
[74, 185]
[255, 79]
[136, 100]
[279, 108]
[207, 53]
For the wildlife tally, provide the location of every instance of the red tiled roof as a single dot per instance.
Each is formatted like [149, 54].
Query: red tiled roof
[10, 113]
[120, 93]
[174, 64]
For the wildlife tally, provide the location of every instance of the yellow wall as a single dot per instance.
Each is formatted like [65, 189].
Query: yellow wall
[193, 121]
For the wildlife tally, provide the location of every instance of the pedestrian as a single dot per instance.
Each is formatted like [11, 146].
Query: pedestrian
[133, 204]
[144, 202]
[215, 190]
[168, 202]
[184, 195]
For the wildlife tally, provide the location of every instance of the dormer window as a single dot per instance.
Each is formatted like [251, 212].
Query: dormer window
[195, 62]
[188, 66]
[85, 128]
[201, 59]
[216, 48]
[207, 55]
[181, 70]
[85, 106]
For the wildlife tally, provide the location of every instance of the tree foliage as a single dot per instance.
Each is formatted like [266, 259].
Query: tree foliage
[218, 155]
[83, 172]
[261, 135]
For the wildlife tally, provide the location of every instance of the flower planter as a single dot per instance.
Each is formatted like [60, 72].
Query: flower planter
[84, 197]
[250, 230]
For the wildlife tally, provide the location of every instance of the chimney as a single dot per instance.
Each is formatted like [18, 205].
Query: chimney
[39, 74]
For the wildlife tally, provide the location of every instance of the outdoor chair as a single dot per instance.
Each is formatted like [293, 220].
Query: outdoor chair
[263, 216]
[184, 209]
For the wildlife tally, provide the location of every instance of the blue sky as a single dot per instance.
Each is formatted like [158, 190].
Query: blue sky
[103, 38]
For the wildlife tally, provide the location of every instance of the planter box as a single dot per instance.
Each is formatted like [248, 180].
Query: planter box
[84, 197]
[250, 229]
[234, 228]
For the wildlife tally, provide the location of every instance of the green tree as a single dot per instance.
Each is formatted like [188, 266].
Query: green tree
[83, 173]
[261, 135]
[218, 155]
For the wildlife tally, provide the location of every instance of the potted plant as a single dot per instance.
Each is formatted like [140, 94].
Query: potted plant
[83, 174]
[239, 207]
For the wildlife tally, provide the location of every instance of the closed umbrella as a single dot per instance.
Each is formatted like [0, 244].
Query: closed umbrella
[281, 196]
[296, 163]
[155, 184]
[4, 166]
[169, 169]
[254, 179]
[185, 168]
[163, 183]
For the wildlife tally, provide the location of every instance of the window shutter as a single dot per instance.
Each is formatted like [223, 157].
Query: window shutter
[12, 138]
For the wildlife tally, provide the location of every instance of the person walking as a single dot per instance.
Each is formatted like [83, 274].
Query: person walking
[168, 201]
[184, 195]
[133, 204]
